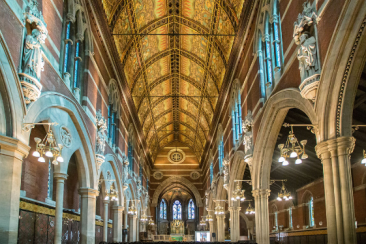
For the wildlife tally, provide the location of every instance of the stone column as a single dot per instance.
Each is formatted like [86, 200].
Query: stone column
[220, 227]
[234, 222]
[11, 157]
[212, 229]
[125, 225]
[117, 223]
[60, 183]
[133, 221]
[106, 218]
[261, 215]
[88, 203]
[335, 156]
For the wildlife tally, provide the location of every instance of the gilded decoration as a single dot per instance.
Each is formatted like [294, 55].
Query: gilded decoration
[174, 81]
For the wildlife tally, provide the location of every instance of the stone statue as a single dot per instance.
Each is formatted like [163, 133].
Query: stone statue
[226, 171]
[307, 56]
[32, 60]
[248, 134]
[309, 61]
[100, 140]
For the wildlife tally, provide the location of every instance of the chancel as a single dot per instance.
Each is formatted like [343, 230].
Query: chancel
[183, 121]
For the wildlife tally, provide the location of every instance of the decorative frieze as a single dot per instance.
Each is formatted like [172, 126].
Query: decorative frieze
[305, 36]
[32, 60]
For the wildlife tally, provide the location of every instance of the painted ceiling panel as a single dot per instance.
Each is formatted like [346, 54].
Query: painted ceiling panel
[174, 54]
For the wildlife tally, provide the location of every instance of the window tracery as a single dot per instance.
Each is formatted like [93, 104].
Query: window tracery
[177, 210]
[236, 113]
[191, 209]
[163, 209]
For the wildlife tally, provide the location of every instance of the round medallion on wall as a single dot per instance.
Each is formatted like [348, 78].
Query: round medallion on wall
[65, 136]
[158, 175]
[176, 156]
[195, 175]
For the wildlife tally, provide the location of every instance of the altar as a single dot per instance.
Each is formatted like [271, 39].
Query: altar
[176, 228]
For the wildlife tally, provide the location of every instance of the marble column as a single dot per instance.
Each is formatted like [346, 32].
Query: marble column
[235, 222]
[88, 204]
[335, 156]
[11, 157]
[106, 218]
[220, 227]
[261, 215]
[133, 227]
[60, 184]
[117, 223]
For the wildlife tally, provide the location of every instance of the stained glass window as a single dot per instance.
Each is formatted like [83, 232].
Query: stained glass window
[221, 152]
[67, 47]
[290, 217]
[76, 68]
[236, 119]
[211, 173]
[163, 209]
[177, 210]
[311, 212]
[191, 209]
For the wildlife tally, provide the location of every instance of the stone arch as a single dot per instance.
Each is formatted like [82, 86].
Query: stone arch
[12, 105]
[342, 66]
[306, 196]
[176, 179]
[112, 159]
[68, 116]
[236, 171]
[274, 114]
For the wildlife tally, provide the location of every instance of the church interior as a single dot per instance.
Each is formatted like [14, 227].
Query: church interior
[183, 121]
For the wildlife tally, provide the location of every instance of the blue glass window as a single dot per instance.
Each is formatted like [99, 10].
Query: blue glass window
[67, 47]
[191, 209]
[221, 152]
[177, 210]
[76, 68]
[236, 119]
[268, 61]
[311, 212]
[130, 155]
[163, 209]
[112, 126]
[211, 173]
[290, 217]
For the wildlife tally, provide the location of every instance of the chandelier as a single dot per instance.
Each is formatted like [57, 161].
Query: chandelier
[250, 209]
[48, 147]
[219, 210]
[132, 210]
[292, 149]
[238, 193]
[203, 222]
[112, 194]
[364, 158]
[151, 222]
[209, 217]
[144, 218]
[284, 194]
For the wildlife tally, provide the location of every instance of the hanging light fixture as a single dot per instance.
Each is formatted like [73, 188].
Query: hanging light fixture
[151, 222]
[132, 210]
[144, 218]
[238, 193]
[284, 194]
[203, 222]
[250, 209]
[219, 210]
[363, 161]
[292, 149]
[112, 194]
[209, 217]
[48, 147]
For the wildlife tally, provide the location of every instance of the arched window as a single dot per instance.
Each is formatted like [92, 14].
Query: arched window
[75, 46]
[211, 173]
[163, 209]
[113, 108]
[130, 147]
[177, 210]
[191, 209]
[235, 104]
[220, 145]
[290, 218]
[269, 46]
[311, 212]
[111, 124]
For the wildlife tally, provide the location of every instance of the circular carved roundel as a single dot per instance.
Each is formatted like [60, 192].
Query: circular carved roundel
[176, 156]
[158, 175]
[195, 175]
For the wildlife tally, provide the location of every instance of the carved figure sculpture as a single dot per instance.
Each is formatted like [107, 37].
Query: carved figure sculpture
[32, 56]
[248, 134]
[100, 140]
[305, 37]
[226, 171]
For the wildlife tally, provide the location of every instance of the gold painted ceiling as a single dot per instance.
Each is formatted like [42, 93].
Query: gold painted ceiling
[174, 54]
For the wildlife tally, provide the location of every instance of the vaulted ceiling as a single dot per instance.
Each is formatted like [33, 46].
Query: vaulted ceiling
[174, 54]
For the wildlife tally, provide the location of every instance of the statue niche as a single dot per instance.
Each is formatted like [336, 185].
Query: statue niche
[305, 36]
[32, 61]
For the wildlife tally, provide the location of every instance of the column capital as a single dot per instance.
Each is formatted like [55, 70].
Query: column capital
[60, 176]
[261, 192]
[13, 147]
[106, 201]
[220, 216]
[234, 208]
[134, 216]
[84, 191]
[118, 208]
[341, 145]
